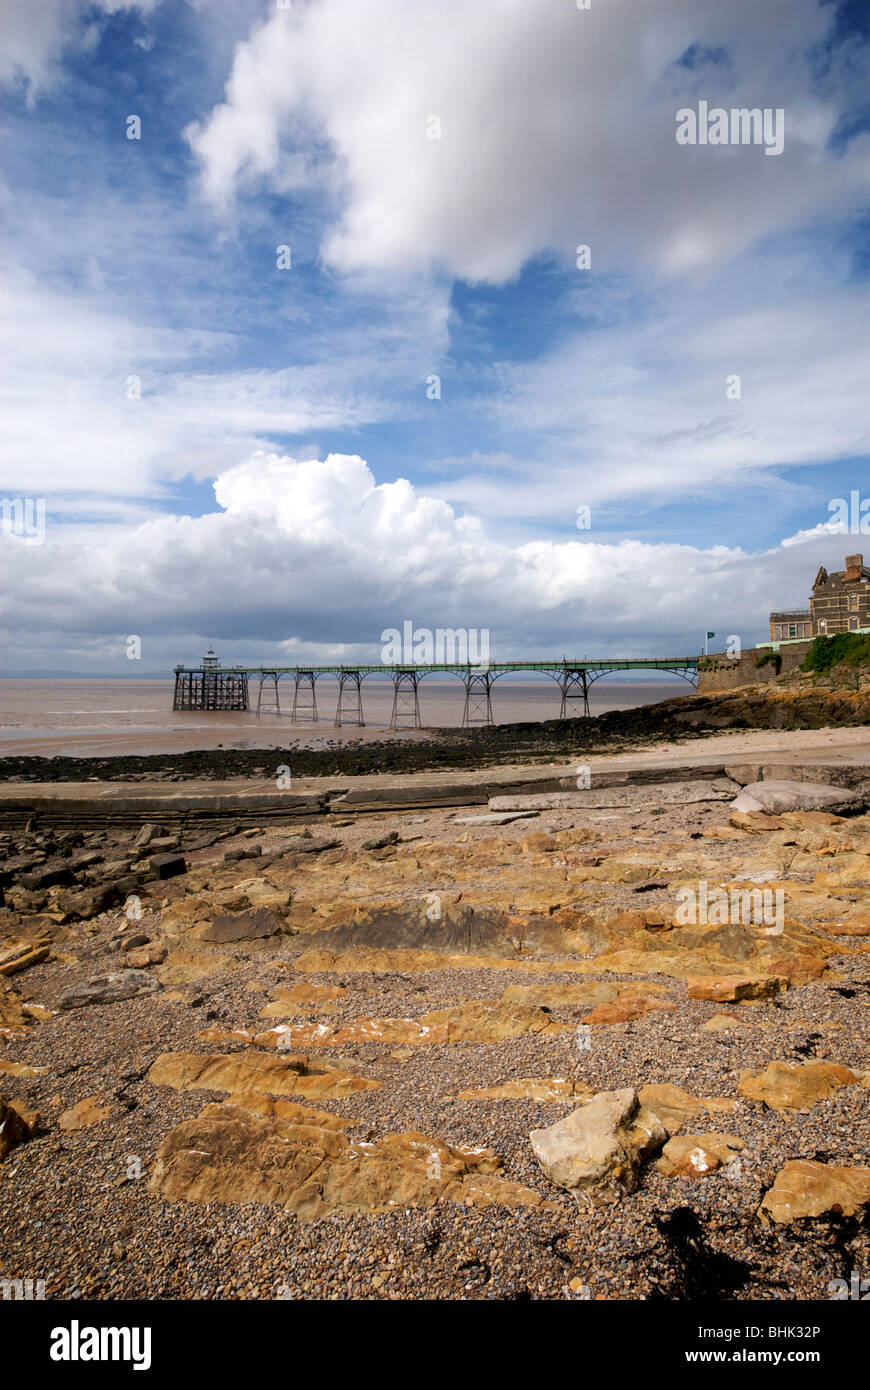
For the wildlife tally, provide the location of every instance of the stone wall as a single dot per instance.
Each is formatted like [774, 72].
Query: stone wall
[720, 672]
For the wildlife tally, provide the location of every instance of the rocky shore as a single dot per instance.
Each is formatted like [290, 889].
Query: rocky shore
[443, 1053]
[682, 719]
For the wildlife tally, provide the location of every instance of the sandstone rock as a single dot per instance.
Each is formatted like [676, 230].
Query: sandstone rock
[557, 1088]
[12, 1014]
[85, 1113]
[361, 959]
[90, 902]
[283, 1109]
[37, 1012]
[776, 797]
[242, 926]
[20, 1069]
[108, 989]
[288, 1002]
[382, 841]
[795, 1086]
[242, 1072]
[696, 1155]
[143, 956]
[185, 967]
[584, 995]
[22, 959]
[148, 833]
[735, 987]
[134, 940]
[630, 1004]
[600, 1147]
[724, 1023]
[675, 1107]
[756, 822]
[804, 1188]
[15, 1128]
[230, 1154]
[473, 1021]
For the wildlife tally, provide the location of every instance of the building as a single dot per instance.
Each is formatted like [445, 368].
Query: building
[840, 602]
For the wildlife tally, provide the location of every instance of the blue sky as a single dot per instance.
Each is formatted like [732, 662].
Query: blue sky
[285, 486]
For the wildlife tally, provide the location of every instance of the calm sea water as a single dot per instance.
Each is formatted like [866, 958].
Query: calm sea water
[104, 716]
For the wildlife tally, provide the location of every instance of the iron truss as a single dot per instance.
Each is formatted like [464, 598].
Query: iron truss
[574, 679]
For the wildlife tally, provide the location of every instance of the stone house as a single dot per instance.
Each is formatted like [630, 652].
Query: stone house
[840, 602]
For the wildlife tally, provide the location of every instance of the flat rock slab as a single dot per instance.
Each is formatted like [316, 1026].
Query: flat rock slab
[776, 797]
[231, 1154]
[804, 1188]
[242, 926]
[109, 989]
[494, 818]
[653, 794]
[399, 798]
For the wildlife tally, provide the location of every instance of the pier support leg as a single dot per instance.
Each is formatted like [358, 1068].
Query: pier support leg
[406, 701]
[304, 699]
[268, 677]
[478, 698]
[349, 709]
[575, 688]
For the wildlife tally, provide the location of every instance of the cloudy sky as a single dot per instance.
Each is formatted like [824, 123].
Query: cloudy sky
[402, 422]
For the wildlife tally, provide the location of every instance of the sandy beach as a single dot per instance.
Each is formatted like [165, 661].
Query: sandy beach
[403, 1002]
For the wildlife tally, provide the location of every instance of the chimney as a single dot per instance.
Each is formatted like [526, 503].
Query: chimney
[854, 562]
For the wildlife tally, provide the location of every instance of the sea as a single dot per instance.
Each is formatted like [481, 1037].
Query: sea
[51, 716]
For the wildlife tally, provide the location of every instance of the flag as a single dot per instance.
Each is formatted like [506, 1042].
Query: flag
[710, 634]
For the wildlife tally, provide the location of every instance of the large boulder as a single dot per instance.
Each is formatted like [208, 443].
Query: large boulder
[600, 1147]
[776, 797]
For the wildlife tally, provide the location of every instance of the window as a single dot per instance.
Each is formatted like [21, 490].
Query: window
[823, 625]
[853, 624]
[853, 600]
[792, 629]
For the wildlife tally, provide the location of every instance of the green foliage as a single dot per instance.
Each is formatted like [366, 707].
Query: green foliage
[847, 648]
[770, 658]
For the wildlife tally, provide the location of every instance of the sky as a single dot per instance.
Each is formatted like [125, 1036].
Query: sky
[316, 354]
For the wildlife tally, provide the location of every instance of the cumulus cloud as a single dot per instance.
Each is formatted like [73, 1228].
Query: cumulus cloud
[35, 34]
[557, 127]
[309, 558]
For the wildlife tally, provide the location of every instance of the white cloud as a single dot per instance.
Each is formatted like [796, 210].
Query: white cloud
[69, 424]
[35, 33]
[317, 556]
[558, 128]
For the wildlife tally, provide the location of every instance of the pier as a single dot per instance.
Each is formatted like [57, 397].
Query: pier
[211, 686]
